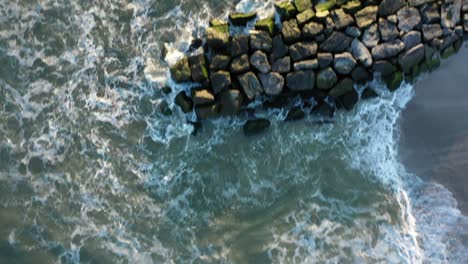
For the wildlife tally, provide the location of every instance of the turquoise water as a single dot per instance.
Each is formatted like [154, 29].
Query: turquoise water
[91, 171]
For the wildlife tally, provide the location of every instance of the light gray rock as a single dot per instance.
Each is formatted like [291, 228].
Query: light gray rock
[302, 50]
[408, 18]
[260, 61]
[272, 83]
[301, 80]
[371, 36]
[326, 79]
[282, 65]
[341, 19]
[344, 63]
[361, 53]
[431, 31]
[411, 58]
[411, 39]
[388, 49]
[250, 85]
[306, 65]
[366, 16]
[388, 30]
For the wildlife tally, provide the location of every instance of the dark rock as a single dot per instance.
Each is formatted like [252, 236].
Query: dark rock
[261, 40]
[305, 17]
[431, 31]
[301, 80]
[302, 50]
[166, 90]
[266, 24]
[447, 52]
[326, 108]
[272, 83]
[240, 64]
[291, 32]
[241, 19]
[388, 49]
[180, 71]
[349, 100]
[329, 26]
[388, 31]
[201, 97]
[325, 59]
[195, 44]
[198, 66]
[36, 165]
[295, 114]
[361, 53]
[411, 58]
[326, 79]
[366, 16]
[250, 85]
[218, 37]
[311, 30]
[394, 80]
[450, 13]
[282, 65]
[344, 63]
[259, 61]
[383, 67]
[220, 62]
[419, 2]
[354, 32]
[306, 65]
[207, 111]
[286, 10]
[279, 48]
[408, 18]
[411, 39]
[341, 19]
[184, 102]
[465, 6]
[255, 127]
[432, 58]
[368, 93]
[371, 36]
[343, 87]
[239, 45]
[230, 102]
[361, 75]
[430, 14]
[389, 7]
[336, 42]
[220, 80]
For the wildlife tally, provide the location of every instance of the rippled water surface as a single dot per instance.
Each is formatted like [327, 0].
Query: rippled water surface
[92, 171]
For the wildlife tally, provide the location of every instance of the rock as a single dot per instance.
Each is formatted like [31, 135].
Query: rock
[465, 22]
[354, 32]
[220, 62]
[282, 65]
[206, 111]
[220, 81]
[326, 79]
[368, 93]
[349, 100]
[230, 102]
[447, 52]
[302, 50]
[411, 58]
[361, 75]
[261, 40]
[272, 83]
[239, 45]
[389, 7]
[432, 57]
[306, 65]
[279, 48]
[250, 85]
[302, 5]
[36, 165]
[388, 31]
[465, 6]
[431, 31]
[419, 2]
[305, 17]
[291, 32]
[360, 52]
[344, 63]
[383, 67]
[260, 61]
[408, 18]
[329, 26]
[450, 13]
[459, 31]
[366, 16]
[301, 80]
[325, 59]
[341, 19]
[201, 97]
[343, 87]
[240, 64]
[325, 6]
[286, 10]
[430, 14]
[311, 30]
[266, 24]
[351, 7]
[394, 80]
[255, 127]
[393, 19]
[218, 37]
[322, 15]
[198, 67]
[336, 42]
[388, 49]
[295, 114]
[326, 108]
[371, 36]
[166, 90]
[180, 72]
[184, 102]
[216, 22]
[411, 39]
[241, 19]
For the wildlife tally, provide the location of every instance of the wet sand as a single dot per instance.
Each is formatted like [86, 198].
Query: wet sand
[434, 138]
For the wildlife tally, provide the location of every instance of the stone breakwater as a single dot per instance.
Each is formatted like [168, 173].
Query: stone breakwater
[317, 51]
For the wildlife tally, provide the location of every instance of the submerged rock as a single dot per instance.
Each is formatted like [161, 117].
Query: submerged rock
[230, 102]
[295, 114]
[207, 111]
[255, 127]
[383, 67]
[371, 36]
[349, 100]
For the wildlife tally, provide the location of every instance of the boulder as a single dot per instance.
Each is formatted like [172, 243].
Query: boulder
[241, 19]
[255, 127]
[431, 31]
[286, 9]
[250, 85]
[465, 22]
[302, 50]
[325, 6]
[240, 64]
[220, 81]
[311, 30]
[341, 19]
[295, 114]
[305, 17]
[306, 65]
[230, 102]
[219, 62]
[390, 7]
[322, 15]
[388, 49]
[326, 79]
[394, 80]
[180, 72]
[371, 36]
[184, 102]
[393, 19]
[383, 67]
[325, 59]
[361, 53]
[266, 24]
[206, 111]
[411, 39]
[282, 65]
[430, 14]
[447, 52]
[279, 48]
[336, 42]
[291, 32]
[351, 7]
[343, 87]
[361, 75]
[216, 22]
[450, 13]
[329, 26]
[272, 83]
[201, 97]
[344, 63]
[349, 100]
[198, 67]
[419, 2]
[218, 37]
[411, 58]
[302, 5]
[301, 80]
[261, 40]
[239, 45]
[388, 30]
[465, 6]
[259, 61]
[369, 93]
[354, 32]
[366, 16]
[408, 18]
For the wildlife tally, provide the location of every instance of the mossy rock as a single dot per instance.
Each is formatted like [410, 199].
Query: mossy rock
[448, 52]
[433, 63]
[302, 5]
[241, 19]
[352, 7]
[326, 6]
[394, 80]
[218, 37]
[180, 71]
[286, 10]
[266, 24]
[216, 22]
[305, 17]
